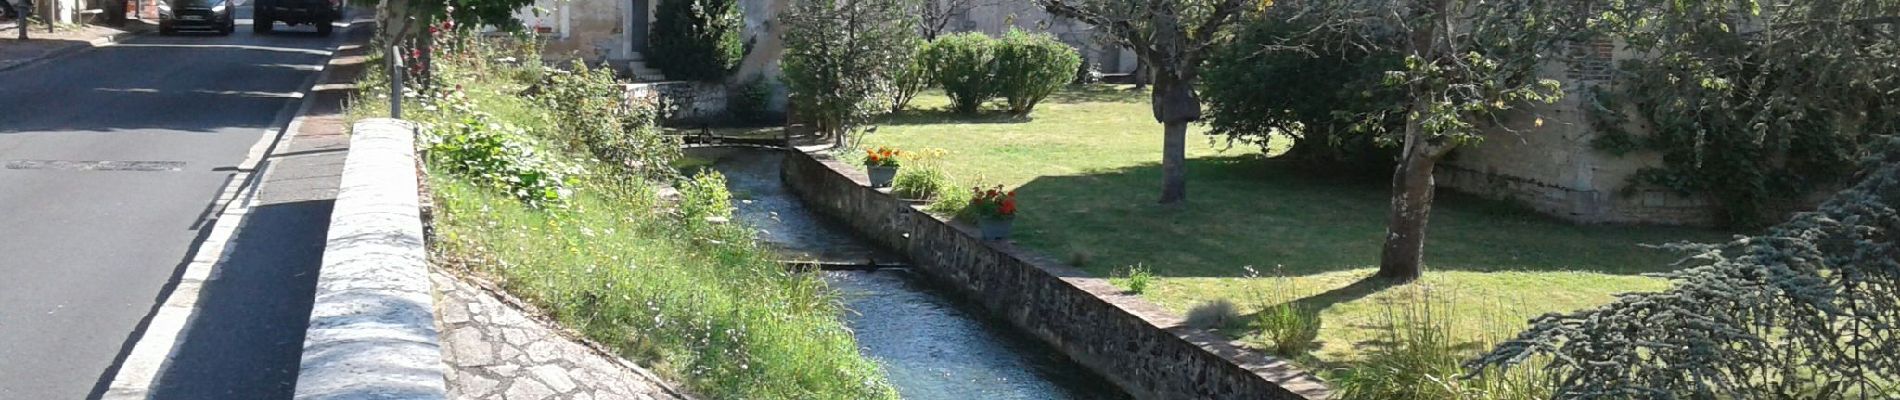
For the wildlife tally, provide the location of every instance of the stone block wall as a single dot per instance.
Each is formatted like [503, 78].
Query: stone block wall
[1552, 166]
[682, 102]
[1142, 348]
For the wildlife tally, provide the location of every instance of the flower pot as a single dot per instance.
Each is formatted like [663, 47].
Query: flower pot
[882, 176]
[995, 228]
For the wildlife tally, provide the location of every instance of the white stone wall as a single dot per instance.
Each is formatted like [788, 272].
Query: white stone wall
[372, 328]
[1554, 169]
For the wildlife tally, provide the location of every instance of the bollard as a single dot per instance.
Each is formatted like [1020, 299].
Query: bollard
[395, 82]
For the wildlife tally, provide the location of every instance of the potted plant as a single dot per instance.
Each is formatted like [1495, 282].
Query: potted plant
[995, 211]
[882, 165]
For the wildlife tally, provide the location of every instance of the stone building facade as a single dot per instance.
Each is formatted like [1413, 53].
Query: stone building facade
[1553, 167]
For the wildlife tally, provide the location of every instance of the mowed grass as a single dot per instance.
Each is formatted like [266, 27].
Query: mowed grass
[1086, 165]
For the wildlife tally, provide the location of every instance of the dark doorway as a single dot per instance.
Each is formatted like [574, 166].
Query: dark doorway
[637, 34]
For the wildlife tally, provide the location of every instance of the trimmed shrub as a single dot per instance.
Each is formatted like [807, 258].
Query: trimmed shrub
[1312, 97]
[697, 40]
[912, 79]
[1031, 66]
[964, 64]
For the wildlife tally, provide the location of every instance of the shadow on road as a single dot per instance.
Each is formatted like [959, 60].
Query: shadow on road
[247, 337]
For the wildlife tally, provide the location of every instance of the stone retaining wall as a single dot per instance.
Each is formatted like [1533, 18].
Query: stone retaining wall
[372, 327]
[1142, 348]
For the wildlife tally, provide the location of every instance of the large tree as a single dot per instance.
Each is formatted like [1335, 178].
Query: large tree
[1171, 38]
[1469, 66]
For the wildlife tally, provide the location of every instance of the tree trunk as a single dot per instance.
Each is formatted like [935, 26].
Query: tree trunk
[1175, 106]
[1412, 188]
[1174, 163]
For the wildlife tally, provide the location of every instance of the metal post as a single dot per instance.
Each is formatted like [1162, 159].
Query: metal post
[395, 82]
[23, 10]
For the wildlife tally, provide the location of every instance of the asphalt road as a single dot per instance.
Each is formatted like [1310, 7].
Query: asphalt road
[110, 162]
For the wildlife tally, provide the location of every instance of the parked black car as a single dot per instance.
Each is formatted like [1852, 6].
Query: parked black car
[321, 13]
[196, 14]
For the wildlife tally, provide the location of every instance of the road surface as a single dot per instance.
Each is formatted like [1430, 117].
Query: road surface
[111, 162]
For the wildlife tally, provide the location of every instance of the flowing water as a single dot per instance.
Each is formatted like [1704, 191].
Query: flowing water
[931, 345]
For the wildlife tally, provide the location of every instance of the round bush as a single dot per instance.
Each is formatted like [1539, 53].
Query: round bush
[1310, 98]
[697, 39]
[1030, 67]
[964, 65]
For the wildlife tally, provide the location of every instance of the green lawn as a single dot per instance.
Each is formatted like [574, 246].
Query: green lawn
[1087, 169]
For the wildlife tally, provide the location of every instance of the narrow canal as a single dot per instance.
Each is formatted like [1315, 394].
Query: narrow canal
[931, 346]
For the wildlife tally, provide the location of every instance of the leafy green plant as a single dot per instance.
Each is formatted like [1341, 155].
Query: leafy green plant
[921, 181]
[911, 80]
[965, 67]
[1030, 67]
[1753, 120]
[704, 196]
[953, 203]
[993, 203]
[1319, 101]
[697, 39]
[750, 102]
[591, 117]
[494, 153]
[1136, 278]
[840, 59]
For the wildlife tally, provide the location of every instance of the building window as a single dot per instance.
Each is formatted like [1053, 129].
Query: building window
[1592, 60]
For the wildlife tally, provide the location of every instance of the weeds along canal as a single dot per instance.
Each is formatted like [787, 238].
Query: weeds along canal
[931, 345]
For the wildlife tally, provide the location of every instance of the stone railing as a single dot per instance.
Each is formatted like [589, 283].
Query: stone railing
[1145, 350]
[372, 328]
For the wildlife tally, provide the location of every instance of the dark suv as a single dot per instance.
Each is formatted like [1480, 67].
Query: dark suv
[296, 12]
[201, 14]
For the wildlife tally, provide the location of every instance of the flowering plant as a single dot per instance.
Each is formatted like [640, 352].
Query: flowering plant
[993, 203]
[882, 157]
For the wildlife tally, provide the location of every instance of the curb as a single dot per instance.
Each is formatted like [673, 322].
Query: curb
[372, 328]
[108, 40]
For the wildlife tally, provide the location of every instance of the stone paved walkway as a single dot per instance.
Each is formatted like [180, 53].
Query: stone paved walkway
[496, 351]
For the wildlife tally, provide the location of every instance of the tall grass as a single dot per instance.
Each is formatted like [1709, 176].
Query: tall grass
[1419, 355]
[668, 284]
[702, 302]
[1288, 328]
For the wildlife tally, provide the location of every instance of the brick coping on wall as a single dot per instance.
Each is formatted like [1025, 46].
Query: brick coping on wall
[1144, 349]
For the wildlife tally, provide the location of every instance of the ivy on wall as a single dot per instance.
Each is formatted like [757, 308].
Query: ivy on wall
[1752, 111]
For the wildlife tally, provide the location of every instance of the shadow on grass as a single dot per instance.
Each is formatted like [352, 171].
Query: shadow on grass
[1247, 210]
[1307, 311]
[939, 116]
[1098, 94]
